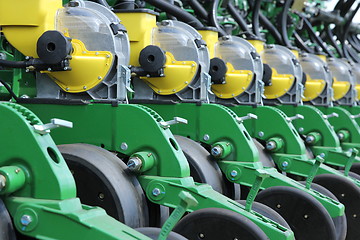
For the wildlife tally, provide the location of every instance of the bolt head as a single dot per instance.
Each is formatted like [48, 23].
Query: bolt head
[217, 151]
[156, 192]
[233, 173]
[285, 164]
[341, 136]
[25, 220]
[134, 164]
[310, 139]
[2, 182]
[261, 134]
[124, 146]
[271, 145]
[301, 129]
[206, 137]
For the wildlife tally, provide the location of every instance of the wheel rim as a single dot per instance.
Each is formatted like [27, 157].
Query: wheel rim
[301, 211]
[216, 223]
[348, 194]
[102, 180]
[204, 170]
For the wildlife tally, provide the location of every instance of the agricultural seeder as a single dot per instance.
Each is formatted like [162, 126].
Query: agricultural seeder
[260, 138]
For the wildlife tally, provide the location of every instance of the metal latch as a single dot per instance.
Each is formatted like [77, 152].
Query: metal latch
[247, 117]
[330, 115]
[55, 123]
[176, 120]
[297, 116]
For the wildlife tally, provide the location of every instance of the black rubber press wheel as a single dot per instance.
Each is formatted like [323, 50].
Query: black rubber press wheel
[348, 194]
[307, 218]
[205, 170]
[7, 231]
[267, 212]
[102, 180]
[217, 223]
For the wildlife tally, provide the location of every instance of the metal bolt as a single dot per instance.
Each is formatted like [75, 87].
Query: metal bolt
[309, 139]
[124, 146]
[206, 137]
[216, 151]
[301, 129]
[322, 155]
[2, 182]
[233, 173]
[134, 164]
[25, 220]
[84, 87]
[341, 136]
[66, 68]
[156, 192]
[99, 77]
[271, 145]
[201, 235]
[306, 216]
[278, 206]
[285, 164]
[67, 89]
[354, 216]
[261, 134]
[49, 69]
[101, 196]
[343, 195]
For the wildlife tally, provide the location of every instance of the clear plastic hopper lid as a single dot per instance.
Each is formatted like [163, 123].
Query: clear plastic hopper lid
[93, 29]
[316, 68]
[237, 52]
[340, 70]
[179, 39]
[356, 73]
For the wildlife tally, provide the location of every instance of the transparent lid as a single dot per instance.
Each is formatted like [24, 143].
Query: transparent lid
[179, 39]
[240, 53]
[340, 70]
[92, 27]
[282, 59]
[315, 67]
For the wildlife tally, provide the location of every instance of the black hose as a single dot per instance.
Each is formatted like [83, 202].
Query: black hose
[269, 26]
[104, 3]
[199, 10]
[345, 34]
[176, 12]
[330, 37]
[8, 88]
[301, 44]
[237, 17]
[283, 22]
[13, 64]
[353, 43]
[346, 7]
[318, 40]
[255, 17]
[213, 18]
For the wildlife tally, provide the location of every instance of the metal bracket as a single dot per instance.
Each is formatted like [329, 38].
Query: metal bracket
[297, 116]
[318, 161]
[260, 176]
[247, 117]
[55, 123]
[176, 120]
[353, 153]
[330, 115]
[186, 200]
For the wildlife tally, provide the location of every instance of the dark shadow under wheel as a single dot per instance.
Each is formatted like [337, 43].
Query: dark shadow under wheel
[355, 168]
[153, 233]
[7, 231]
[204, 169]
[307, 218]
[216, 224]
[348, 194]
[267, 212]
[103, 180]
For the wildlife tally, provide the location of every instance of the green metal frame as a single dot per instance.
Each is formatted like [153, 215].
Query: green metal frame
[129, 129]
[31, 163]
[225, 126]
